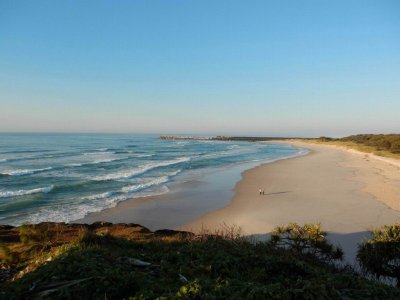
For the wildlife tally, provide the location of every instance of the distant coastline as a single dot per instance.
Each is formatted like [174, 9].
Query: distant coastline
[386, 145]
[229, 138]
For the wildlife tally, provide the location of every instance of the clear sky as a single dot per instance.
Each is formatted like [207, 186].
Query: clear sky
[292, 68]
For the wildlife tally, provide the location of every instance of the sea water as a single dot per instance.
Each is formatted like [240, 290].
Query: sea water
[63, 177]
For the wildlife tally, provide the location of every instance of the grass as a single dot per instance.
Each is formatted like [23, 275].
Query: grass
[129, 262]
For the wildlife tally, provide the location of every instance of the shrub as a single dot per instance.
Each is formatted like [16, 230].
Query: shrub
[395, 147]
[325, 139]
[306, 240]
[380, 255]
[388, 142]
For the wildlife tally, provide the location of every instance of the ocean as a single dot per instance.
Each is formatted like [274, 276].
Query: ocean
[63, 177]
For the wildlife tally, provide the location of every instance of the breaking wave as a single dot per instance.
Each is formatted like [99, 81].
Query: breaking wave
[25, 172]
[99, 196]
[140, 170]
[4, 194]
[137, 187]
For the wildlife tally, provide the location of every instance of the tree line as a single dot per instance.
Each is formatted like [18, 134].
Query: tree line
[388, 142]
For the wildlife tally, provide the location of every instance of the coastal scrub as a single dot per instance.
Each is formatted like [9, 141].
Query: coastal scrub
[121, 261]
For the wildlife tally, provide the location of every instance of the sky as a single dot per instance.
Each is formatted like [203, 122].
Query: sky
[273, 68]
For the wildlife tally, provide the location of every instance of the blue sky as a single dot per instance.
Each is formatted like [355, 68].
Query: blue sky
[292, 68]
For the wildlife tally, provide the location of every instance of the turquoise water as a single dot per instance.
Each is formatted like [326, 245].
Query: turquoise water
[63, 177]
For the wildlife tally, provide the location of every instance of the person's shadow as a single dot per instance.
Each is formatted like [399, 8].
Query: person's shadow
[275, 193]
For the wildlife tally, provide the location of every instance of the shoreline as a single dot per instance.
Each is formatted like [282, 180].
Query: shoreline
[342, 190]
[347, 191]
[185, 201]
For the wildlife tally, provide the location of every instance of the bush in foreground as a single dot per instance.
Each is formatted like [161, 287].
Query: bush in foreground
[380, 256]
[308, 240]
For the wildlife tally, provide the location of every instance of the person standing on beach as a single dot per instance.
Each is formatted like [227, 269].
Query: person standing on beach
[263, 191]
[260, 191]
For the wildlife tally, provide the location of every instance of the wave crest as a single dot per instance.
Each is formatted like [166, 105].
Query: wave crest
[136, 187]
[25, 172]
[45, 190]
[140, 170]
[99, 196]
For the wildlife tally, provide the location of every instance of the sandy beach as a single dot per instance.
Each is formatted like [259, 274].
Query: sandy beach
[184, 202]
[348, 192]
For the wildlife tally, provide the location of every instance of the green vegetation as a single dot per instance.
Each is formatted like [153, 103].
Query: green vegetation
[308, 240]
[380, 144]
[105, 261]
[33, 234]
[380, 256]
[386, 142]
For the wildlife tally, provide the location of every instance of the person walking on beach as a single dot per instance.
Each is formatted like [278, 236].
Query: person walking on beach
[263, 191]
[260, 191]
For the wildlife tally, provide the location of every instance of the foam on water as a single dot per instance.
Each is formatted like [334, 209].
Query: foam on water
[25, 172]
[173, 173]
[141, 169]
[74, 165]
[136, 187]
[99, 160]
[5, 194]
[106, 160]
[99, 196]
[75, 211]
[98, 153]
[142, 155]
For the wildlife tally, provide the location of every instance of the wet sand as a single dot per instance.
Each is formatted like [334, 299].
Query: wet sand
[186, 201]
